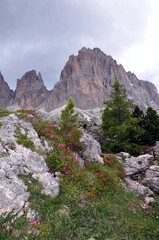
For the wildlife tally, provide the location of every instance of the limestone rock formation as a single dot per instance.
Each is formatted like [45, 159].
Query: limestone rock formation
[88, 78]
[136, 165]
[93, 149]
[30, 90]
[142, 175]
[137, 188]
[152, 178]
[6, 94]
[15, 159]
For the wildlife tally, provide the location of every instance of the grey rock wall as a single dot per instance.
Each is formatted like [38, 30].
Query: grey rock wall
[6, 94]
[15, 159]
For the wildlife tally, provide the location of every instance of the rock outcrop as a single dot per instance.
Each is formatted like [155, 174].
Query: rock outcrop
[30, 91]
[92, 149]
[6, 94]
[142, 173]
[152, 178]
[88, 79]
[15, 159]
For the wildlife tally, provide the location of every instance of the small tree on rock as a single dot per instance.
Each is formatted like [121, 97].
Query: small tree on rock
[68, 119]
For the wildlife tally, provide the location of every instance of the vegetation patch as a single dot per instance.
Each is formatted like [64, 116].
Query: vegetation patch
[4, 112]
[110, 214]
[23, 139]
[124, 125]
[91, 203]
[26, 114]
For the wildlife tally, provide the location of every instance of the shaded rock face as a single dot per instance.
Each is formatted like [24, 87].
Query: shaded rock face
[6, 94]
[88, 79]
[30, 90]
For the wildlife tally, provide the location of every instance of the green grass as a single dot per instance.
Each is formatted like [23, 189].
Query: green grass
[111, 214]
[4, 112]
[91, 202]
[25, 141]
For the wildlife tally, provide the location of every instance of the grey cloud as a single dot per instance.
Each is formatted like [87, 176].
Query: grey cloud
[42, 34]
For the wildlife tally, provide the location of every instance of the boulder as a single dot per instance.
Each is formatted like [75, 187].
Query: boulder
[152, 178]
[13, 195]
[92, 149]
[155, 151]
[135, 165]
[50, 184]
[137, 188]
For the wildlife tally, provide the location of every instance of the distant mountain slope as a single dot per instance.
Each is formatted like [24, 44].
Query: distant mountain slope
[30, 90]
[88, 78]
[6, 94]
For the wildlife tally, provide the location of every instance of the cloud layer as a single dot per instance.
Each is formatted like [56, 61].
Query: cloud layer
[42, 34]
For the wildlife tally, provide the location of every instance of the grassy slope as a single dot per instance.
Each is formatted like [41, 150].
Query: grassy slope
[91, 202]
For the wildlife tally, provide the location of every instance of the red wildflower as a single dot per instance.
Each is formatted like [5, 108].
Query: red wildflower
[33, 222]
[81, 169]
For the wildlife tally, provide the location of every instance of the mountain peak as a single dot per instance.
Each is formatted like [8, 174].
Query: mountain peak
[30, 90]
[88, 79]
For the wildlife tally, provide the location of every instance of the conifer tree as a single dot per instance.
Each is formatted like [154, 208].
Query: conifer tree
[121, 131]
[117, 109]
[150, 124]
[137, 112]
[68, 119]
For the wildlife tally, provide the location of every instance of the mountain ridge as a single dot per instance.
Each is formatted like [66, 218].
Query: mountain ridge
[87, 78]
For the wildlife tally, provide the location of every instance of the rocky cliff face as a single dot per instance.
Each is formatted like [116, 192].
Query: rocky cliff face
[30, 90]
[6, 94]
[88, 79]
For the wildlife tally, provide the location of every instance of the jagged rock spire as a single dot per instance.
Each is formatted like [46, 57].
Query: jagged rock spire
[6, 93]
[30, 90]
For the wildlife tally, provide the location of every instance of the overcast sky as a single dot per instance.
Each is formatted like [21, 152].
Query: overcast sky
[41, 34]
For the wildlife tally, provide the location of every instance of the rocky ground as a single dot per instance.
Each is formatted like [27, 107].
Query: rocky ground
[16, 160]
[141, 174]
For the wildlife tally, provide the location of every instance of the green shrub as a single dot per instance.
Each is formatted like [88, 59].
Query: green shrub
[25, 141]
[68, 119]
[26, 114]
[4, 112]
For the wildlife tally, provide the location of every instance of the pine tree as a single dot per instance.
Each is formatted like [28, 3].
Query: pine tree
[68, 119]
[150, 124]
[137, 112]
[117, 109]
[121, 131]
